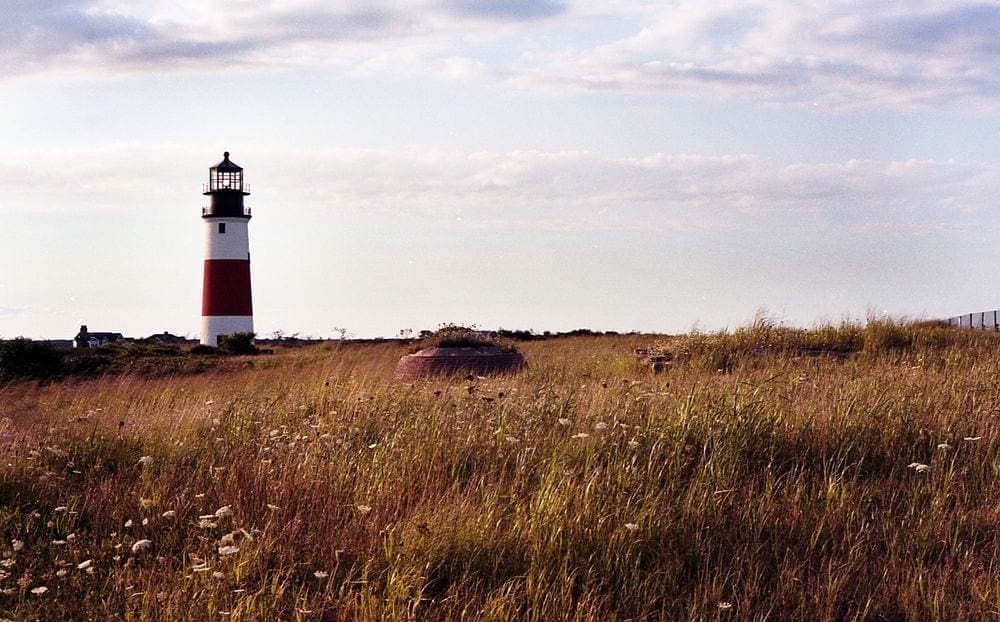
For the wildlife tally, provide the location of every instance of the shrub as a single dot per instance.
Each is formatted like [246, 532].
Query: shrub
[238, 343]
[24, 358]
[452, 336]
[201, 350]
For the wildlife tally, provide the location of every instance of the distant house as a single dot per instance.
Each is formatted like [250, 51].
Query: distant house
[87, 339]
[165, 337]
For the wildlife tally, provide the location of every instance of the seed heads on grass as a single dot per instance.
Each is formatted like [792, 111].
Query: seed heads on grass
[142, 545]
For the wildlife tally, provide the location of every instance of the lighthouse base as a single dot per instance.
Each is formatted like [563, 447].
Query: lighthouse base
[215, 326]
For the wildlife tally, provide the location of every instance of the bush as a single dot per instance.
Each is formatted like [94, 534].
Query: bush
[452, 336]
[24, 358]
[238, 343]
[203, 350]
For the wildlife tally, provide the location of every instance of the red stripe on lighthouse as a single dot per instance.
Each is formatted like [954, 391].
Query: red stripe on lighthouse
[226, 287]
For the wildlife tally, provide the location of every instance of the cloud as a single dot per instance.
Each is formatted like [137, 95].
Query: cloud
[89, 35]
[839, 56]
[565, 190]
[507, 9]
[834, 56]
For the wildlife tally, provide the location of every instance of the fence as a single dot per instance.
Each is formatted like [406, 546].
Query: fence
[984, 320]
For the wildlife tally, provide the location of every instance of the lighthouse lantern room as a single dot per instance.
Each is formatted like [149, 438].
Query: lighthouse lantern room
[226, 304]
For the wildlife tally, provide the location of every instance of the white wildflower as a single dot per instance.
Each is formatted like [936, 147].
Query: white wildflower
[512, 439]
[61, 573]
[59, 542]
[218, 575]
[565, 421]
[228, 550]
[373, 446]
[725, 605]
[128, 523]
[224, 511]
[633, 444]
[169, 514]
[207, 524]
[272, 507]
[41, 589]
[145, 521]
[364, 509]
[61, 508]
[944, 446]
[633, 527]
[141, 545]
[600, 426]
[85, 564]
[919, 467]
[581, 435]
[146, 460]
[319, 574]
[17, 545]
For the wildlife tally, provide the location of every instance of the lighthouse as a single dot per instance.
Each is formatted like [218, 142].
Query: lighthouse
[225, 299]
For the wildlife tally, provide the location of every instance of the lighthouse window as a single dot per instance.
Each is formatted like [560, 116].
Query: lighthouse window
[222, 227]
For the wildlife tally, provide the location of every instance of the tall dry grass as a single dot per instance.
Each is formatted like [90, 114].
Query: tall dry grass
[307, 485]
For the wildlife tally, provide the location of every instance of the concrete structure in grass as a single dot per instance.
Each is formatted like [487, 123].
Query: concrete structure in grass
[455, 350]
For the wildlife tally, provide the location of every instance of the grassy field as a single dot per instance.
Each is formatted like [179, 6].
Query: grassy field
[836, 474]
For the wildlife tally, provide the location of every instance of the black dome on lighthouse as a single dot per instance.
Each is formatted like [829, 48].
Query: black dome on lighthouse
[227, 188]
[227, 164]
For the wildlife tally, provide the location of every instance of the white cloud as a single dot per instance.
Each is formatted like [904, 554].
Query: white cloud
[528, 189]
[842, 55]
[838, 56]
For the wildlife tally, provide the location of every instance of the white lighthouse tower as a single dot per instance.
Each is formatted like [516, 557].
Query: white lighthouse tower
[225, 303]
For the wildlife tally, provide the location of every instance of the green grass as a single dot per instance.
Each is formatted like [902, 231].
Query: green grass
[584, 488]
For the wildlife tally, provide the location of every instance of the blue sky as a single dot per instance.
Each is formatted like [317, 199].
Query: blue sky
[547, 165]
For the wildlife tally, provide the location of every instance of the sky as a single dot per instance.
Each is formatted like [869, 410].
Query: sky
[520, 164]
